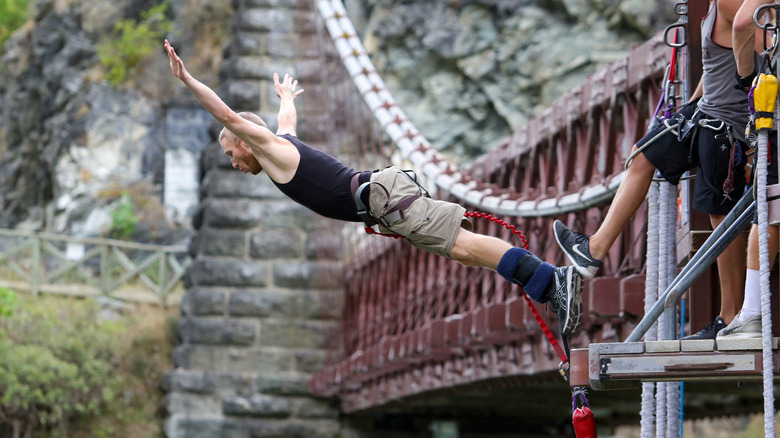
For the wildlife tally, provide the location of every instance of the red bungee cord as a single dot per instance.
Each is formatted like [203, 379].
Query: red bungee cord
[519, 234]
[582, 417]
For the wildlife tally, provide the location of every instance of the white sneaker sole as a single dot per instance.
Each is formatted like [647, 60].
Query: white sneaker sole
[573, 317]
[751, 335]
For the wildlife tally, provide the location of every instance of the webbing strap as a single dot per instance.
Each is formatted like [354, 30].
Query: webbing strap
[396, 213]
[357, 191]
[393, 215]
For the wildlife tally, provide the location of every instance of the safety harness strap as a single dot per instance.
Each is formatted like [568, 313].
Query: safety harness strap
[357, 190]
[396, 213]
[393, 215]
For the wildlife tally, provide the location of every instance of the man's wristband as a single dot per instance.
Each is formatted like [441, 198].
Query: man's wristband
[745, 82]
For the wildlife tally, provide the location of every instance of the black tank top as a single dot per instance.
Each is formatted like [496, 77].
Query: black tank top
[322, 183]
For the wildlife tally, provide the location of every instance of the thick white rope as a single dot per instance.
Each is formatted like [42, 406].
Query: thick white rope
[667, 247]
[647, 412]
[414, 147]
[766, 308]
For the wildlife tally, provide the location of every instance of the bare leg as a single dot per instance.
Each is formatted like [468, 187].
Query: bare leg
[629, 197]
[753, 249]
[472, 249]
[540, 281]
[731, 271]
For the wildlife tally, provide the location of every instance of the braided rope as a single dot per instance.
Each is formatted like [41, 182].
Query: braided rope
[766, 309]
[416, 148]
[647, 412]
[667, 265]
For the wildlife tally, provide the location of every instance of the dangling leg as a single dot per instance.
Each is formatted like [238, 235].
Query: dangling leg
[562, 287]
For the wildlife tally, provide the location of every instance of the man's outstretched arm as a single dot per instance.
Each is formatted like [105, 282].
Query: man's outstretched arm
[287, 92]
[250, 132]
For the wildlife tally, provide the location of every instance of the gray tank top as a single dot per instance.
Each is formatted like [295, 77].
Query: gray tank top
[720, 100]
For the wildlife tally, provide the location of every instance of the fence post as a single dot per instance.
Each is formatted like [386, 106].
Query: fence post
[163, 280]
[35, 277]
[105, 278]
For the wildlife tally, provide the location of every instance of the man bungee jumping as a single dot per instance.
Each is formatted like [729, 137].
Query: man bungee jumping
[395, 202]
[714, 144]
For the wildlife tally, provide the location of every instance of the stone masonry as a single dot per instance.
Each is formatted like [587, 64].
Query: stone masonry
[264, 291]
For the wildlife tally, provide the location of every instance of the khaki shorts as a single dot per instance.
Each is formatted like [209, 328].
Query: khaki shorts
[429, 224]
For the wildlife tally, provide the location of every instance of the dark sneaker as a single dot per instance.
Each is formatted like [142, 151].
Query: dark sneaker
[708, 332]
[565, 297]
[575, 246]
[751, 328]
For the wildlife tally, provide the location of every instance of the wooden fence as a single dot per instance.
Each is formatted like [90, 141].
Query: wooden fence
[52, 263]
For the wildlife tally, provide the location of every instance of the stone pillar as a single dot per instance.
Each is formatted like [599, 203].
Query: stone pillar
[187, 133]
[261, 299]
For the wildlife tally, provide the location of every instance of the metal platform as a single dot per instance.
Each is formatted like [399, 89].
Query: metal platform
[624, 365]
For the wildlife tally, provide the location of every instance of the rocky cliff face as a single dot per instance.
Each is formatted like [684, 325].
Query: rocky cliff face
[69, 139]
[467, 73]
[70, 144]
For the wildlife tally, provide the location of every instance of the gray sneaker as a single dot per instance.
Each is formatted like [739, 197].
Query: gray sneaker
[565, 297]
[709, 332]
[575, 246]
[742, 329]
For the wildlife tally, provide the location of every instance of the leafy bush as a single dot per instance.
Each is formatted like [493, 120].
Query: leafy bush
[8, 301]
[56, 362]
[133, 41]
[13, 14]
[65, 371]
[123, 218]
[151, 225]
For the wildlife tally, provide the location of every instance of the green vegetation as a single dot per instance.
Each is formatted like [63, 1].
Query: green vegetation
[133, 41]
[123, 218]
[8, 302]
[13, 14]
[67, 371]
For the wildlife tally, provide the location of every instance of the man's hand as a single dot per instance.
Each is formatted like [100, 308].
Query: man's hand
[287, 88]
[177, 66]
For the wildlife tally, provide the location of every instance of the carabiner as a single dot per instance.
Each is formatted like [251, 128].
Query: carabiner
[674, 27]
[564, 372]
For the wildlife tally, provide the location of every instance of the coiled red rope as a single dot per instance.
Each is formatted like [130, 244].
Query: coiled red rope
[492, 218]
[545, 329]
